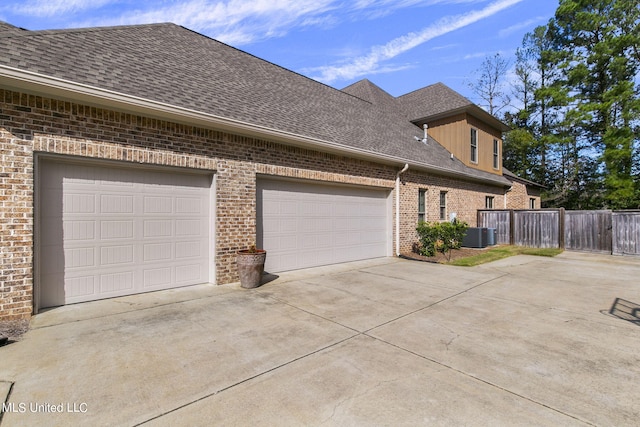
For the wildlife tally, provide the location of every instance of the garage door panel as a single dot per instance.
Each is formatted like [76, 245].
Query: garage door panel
[341, 224]
[316, 257]
[188, 273]
[113, 284]
[78, 203]
[188, 205]
[282, 243]
[157, 278]
[116, 255]
[158, 252]
[115, 204]
[77, 258]
[157, 205]
[80, 287]
[370, 239]
[110, 229]
[157, 228]
[130, 230]
[188, 227]
[77, 230]
[278, 226]
[190, 249]
[321, 224]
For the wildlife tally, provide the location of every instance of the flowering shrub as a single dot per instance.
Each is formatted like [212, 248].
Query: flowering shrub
[440, 237]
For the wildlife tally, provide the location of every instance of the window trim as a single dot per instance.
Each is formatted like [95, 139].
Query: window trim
[532, 203]
[443, 205]
[474, 145]
[489, 202]
[422, 204]
[496, 154]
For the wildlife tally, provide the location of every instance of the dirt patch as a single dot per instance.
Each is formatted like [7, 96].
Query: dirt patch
[13, 330]
[444, 258]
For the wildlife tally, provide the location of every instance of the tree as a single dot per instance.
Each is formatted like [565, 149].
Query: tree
[490, 85]
[600, 40]
[524, 153]
[542, 101]
[579, 132]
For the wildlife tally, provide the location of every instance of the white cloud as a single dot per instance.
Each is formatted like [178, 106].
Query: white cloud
[475, 55]
[233, 21]
[521, 25]
[371, 63]
[48, 8]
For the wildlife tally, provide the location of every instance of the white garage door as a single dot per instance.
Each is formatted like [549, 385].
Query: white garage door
[306, 225]
[110, 231]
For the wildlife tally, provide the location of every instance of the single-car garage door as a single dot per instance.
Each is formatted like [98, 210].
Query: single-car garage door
[106, 231]
[303, 224]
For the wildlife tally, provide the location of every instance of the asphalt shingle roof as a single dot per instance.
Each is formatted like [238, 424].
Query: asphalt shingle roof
[431, 101]
[170, 64]
[5, 27]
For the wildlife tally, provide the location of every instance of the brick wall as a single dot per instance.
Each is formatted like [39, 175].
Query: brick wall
[16, 226]
[463, 198]
[30, 125]
[520, 195]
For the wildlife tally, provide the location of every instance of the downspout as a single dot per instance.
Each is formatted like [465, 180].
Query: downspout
[505, 195]
[404, 169]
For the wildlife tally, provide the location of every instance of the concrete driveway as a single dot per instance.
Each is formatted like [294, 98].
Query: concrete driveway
[522, 341]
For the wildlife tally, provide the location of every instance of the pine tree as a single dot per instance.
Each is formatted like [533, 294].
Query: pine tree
[600, 41]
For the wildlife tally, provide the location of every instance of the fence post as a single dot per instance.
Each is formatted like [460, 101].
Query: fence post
[511, 227]
[561, 225]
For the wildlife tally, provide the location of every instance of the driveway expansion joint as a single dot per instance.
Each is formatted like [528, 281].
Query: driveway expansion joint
[245, 380]
[5, 400]
[479, 379]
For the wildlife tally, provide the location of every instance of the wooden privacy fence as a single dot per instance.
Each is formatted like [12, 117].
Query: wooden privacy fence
[605, 231]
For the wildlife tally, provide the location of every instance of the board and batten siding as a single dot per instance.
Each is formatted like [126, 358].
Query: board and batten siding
[454, 133]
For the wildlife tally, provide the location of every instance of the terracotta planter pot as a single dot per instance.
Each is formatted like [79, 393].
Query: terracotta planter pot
[251, 267]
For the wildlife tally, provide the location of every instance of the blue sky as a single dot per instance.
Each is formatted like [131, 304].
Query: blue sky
[400, 45]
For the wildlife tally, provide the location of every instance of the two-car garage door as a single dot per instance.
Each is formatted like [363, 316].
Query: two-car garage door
[305, 224]
[106, 231]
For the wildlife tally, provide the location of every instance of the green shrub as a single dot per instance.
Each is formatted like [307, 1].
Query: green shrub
[440, 237]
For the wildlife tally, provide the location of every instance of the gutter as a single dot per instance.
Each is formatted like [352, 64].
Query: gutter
[40, 84]
[400, 172]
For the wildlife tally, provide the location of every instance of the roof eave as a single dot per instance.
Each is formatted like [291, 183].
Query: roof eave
[471, 109]
[43, 85]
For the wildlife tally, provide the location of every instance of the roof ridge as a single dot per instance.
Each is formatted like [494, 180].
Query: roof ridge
[85, 29]
[433, 85]
[7, 29]
[373, 92]
[422, 88]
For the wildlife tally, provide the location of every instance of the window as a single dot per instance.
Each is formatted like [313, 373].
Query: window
[496, 154]
[488, 202]
[474, 145]
[532, 203]
[422, 196]
[443, 205]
